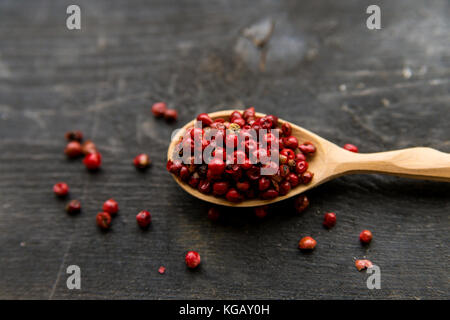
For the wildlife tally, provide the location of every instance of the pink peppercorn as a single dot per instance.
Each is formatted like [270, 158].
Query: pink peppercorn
[192, 259]
[301, 203]
[365, 236]
[143, 219]
[93, 161]
[286, 129]
[158, 109]
[162, 270]
[170, 115]
[307, 148]
[363, 264]
[307, 243]
[111, 206]
[103, 220]
[351, 148]
[61, 189]
[329, 220]
[142, 161]
[233, 195]
[74, 206]
[73, 149]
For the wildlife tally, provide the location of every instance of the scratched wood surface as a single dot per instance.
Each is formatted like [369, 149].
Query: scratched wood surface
[320, 68]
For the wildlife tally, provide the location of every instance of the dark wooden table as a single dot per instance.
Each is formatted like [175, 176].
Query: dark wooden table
[324, 70]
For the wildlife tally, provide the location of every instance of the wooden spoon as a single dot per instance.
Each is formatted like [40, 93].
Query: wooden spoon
[331, 161]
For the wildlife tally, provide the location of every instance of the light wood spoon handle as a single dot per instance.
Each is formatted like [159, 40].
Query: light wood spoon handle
[420, 163]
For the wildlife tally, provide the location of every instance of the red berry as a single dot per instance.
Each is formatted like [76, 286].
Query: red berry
[365, 236]
[103, 220]
[204, 186]
[74, 206]
[301, 203]
[239, 121]
[213, 214]
[300, 157]
[74, 136]
[288, 153]
[158, 109]
[329, 220]
[143, 219]
[142, 161]
[351, 147]
[216, 166]
[293, 179]
[184, 173]
[88, 147]
[363, 264]
[250, 112]
[286, 128]
[171, 115]
[261, 211]
[220, 188]
[285, 187]
[162, 270]
[307, 243]
[205, 119]
[233, 195]
[307, 148]
[93, 161]
[269, 194]
[307, 177]
[192, 259]
[243, 186]
[301, 166]
[263, 183]
[73, 149]
[111, 206]
[290, 142]
[61, 189]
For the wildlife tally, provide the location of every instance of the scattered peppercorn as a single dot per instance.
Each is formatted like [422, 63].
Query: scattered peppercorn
[158, 109]
[88, 147]
[93, 161]
[365, 236]
[363, 264]
[144, 218]
[74, 206]
[171, 115]
[103, 220]
[301, 203]
[111, 206]
[329, 220]
[307, 243]
[261, 211]
[162, 270]
[142, 161]
[192, 259]
[74, 136]
[61, 189]
[351, 147]
[213, 214]
[73, 149]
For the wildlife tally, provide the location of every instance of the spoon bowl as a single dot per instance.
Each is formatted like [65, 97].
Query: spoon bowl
[331, 161]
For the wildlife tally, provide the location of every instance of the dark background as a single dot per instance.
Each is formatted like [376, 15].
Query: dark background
[191, 54]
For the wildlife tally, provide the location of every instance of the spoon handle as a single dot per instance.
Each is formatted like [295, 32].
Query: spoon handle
[419, 163]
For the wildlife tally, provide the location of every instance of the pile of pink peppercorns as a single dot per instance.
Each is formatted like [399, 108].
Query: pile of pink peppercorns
[223, 176]
[230, 173]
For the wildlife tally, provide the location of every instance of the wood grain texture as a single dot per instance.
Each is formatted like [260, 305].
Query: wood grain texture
[324, 70]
